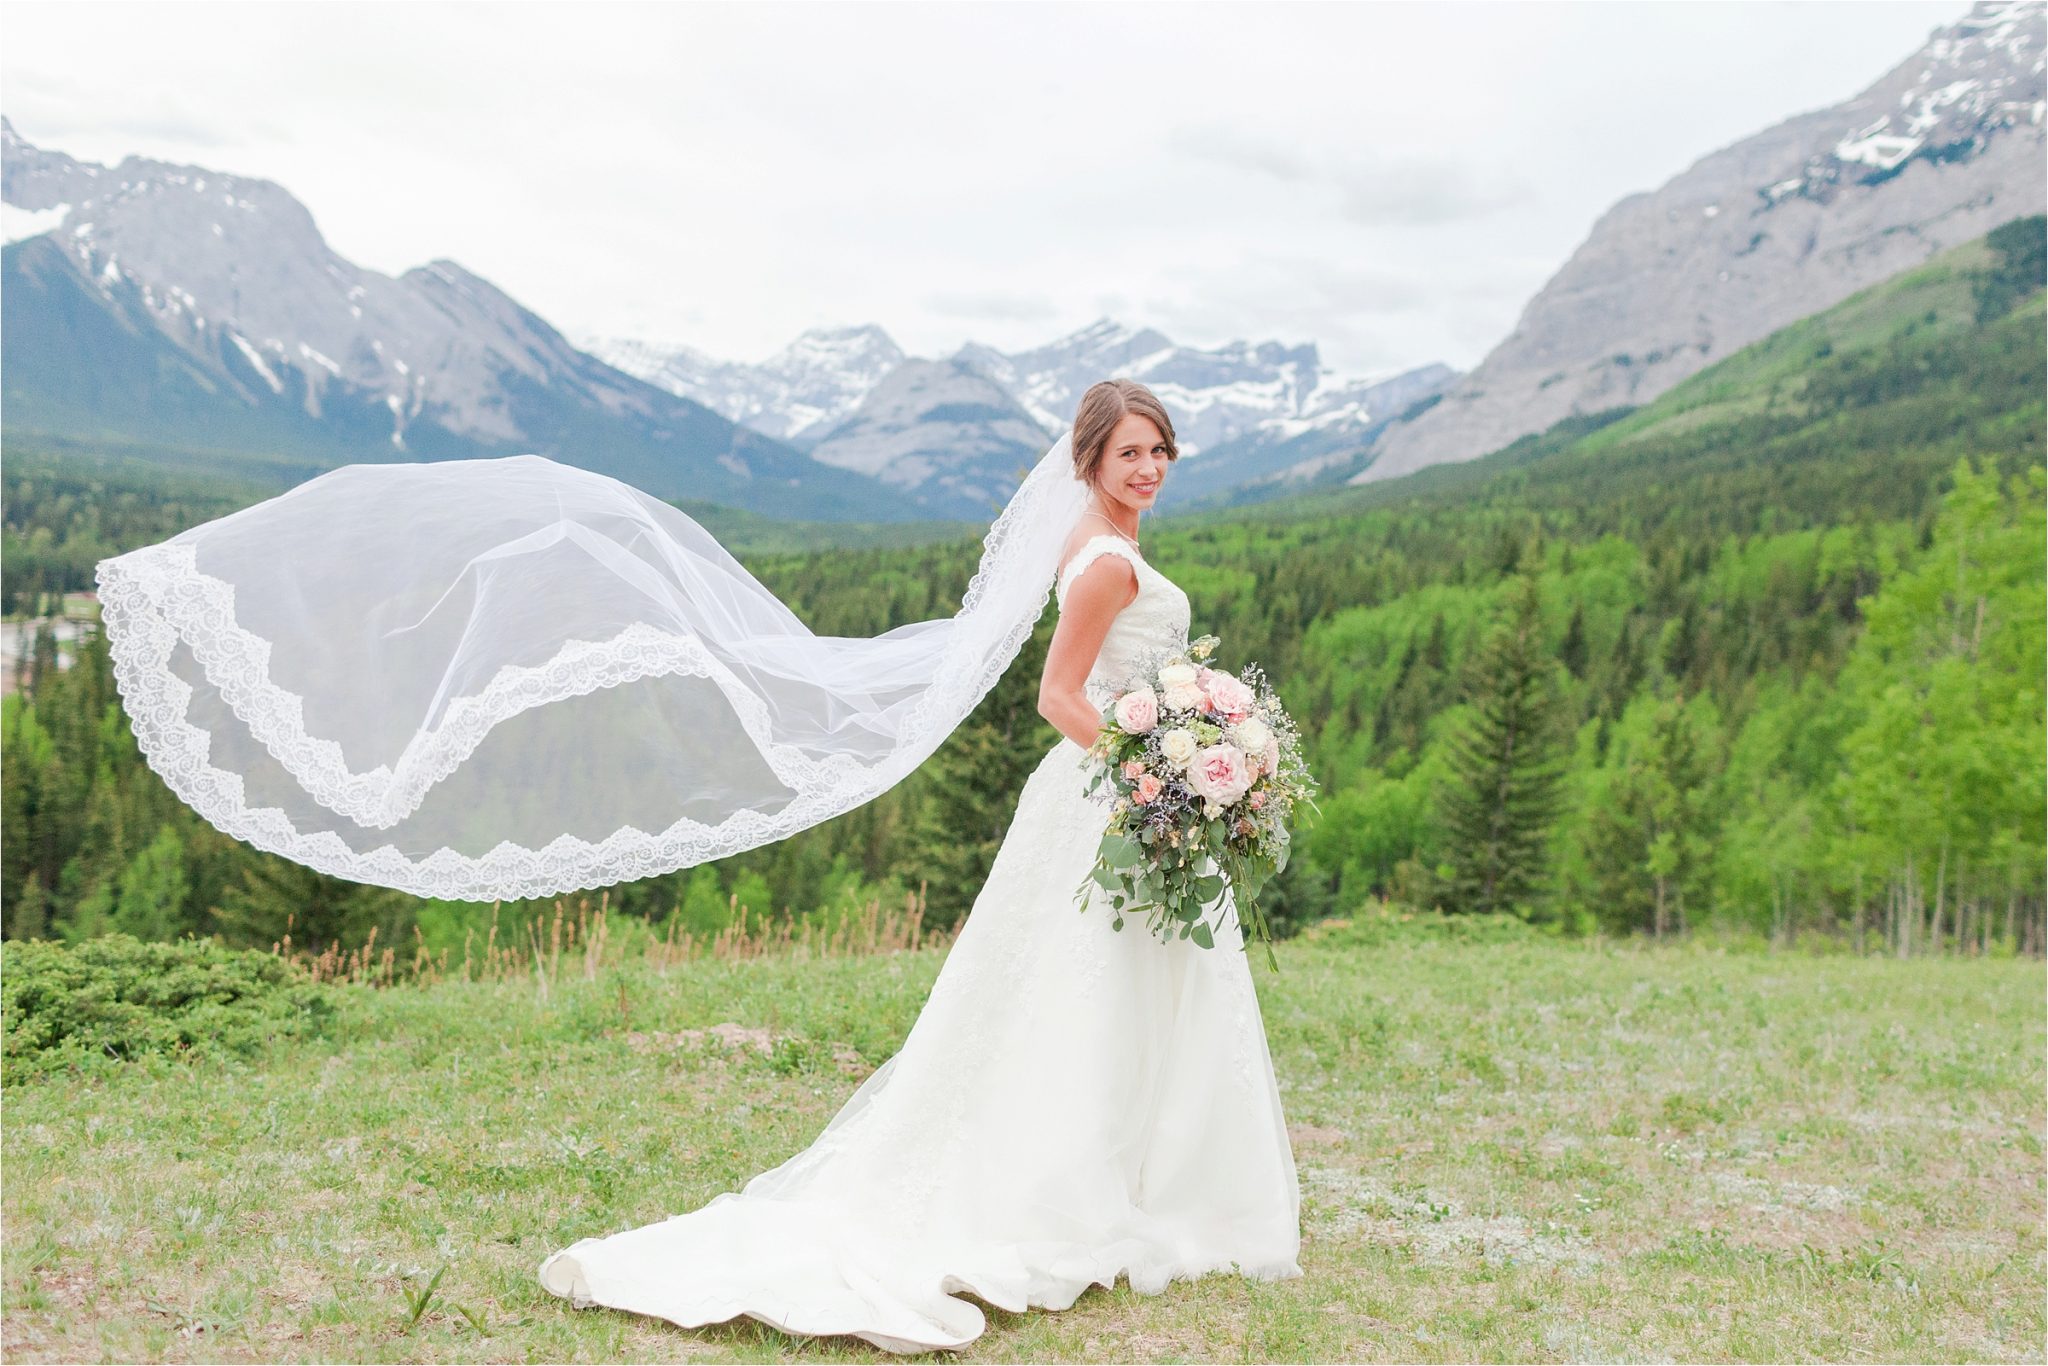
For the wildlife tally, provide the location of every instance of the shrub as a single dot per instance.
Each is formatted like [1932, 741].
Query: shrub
[67, 1008]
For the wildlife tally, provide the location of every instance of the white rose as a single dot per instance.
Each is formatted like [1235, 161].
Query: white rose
[1250, 735]
[1178, 676]
[1182, 697]
[1179, 747]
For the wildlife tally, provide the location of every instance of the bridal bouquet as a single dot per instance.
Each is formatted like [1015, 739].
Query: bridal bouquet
[1203, 769]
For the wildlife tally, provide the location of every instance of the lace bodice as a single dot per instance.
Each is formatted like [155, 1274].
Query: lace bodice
[1156, 619]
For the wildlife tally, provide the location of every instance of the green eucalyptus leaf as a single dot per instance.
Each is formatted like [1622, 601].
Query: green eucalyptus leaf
[1121, 851]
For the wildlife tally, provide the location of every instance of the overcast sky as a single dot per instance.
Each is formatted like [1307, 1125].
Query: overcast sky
[1391, 181]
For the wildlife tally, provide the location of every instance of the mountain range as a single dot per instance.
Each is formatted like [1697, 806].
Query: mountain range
[1939, 150]
[851, 397]
[165, 305]
[154, 303]
[158, 305]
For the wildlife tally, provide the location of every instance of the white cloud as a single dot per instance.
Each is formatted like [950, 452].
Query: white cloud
[1389, 180]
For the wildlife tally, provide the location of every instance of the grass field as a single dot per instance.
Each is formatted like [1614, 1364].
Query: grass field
[1511, 1150]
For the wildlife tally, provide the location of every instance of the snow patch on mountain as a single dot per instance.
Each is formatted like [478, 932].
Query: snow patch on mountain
[18, 224]
[795, 395]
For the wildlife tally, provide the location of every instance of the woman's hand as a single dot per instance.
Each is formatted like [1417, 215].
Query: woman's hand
[1094, 598]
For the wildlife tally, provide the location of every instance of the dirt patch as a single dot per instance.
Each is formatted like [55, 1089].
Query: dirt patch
[1768, 1198]
[295, 1285]
[1438, 1230]
[70, 1288]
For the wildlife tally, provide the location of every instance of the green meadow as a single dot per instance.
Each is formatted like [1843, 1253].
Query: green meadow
[1511, 1147]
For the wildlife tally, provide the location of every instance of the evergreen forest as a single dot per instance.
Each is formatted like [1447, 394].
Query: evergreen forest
[1763, 658]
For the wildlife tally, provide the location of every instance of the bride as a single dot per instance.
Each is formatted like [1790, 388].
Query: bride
[1073, 1104]
[509, 677]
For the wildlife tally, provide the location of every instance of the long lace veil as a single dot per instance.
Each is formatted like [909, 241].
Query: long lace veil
[499, 678]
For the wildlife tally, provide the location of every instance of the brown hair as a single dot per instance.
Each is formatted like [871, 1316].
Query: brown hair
[1102, 407]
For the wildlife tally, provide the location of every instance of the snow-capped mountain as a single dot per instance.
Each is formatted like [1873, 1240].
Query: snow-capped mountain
[807, 388]
[1271, 463]
[1944, 147]
[945, 433]
[173, 305]
[1215, 396]
[1242, 411]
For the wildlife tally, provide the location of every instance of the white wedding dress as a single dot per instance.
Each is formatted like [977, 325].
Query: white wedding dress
[1073, 1103]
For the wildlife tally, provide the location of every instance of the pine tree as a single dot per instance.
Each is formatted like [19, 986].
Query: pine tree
[42, 662]
[1507, 550]
[1436, 650]
[28, 911]
[89, 917]
[276, 896]
[1503, 793]
[1572, 652]
[1625, 671]
[1681, 642]
[149, 898]
[1647, 842]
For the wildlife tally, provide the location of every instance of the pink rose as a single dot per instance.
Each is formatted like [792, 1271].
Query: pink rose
[1132, 768]
[1218, 774]
[1148, 789]
[1258, 799]
[1229, 693]
[1137, 711]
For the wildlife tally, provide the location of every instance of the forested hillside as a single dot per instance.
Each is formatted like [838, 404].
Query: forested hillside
[1764, 655]
[67, 507]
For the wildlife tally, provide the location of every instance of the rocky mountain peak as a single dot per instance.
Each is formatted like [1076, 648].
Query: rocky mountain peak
[861, 347]
[1939, 150]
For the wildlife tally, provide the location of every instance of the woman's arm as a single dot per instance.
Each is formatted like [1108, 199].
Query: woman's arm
[1096, 595]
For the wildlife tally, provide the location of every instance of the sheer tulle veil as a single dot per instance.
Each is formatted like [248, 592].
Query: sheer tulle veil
[498, 678]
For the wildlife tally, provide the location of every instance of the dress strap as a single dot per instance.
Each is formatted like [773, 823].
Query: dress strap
[1093, 549]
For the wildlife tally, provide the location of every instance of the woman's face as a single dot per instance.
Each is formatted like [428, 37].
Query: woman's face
[1133, 462]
